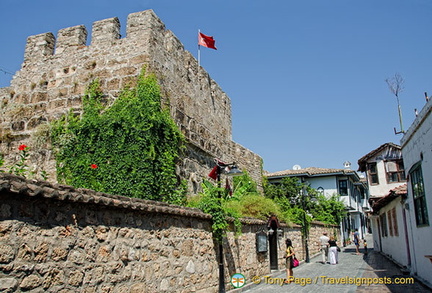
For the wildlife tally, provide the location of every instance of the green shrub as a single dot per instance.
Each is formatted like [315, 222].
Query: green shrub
[245, 201]
[255, 206]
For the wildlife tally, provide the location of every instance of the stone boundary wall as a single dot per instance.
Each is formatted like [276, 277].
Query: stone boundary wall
[55, 238]
[57, 69]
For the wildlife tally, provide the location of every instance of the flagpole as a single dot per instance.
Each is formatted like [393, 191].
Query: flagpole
[199, 50]
[199, 55]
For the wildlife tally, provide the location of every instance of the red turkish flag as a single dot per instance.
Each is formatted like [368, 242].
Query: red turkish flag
[206, 41]
[214, 173]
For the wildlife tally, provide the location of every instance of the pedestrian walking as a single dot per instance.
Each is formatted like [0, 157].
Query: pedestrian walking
[324, 245]
[333, 251]
[289, 258]
[374, 267]
[357, 241]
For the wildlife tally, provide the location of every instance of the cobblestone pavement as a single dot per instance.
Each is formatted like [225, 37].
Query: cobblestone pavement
[336, 278]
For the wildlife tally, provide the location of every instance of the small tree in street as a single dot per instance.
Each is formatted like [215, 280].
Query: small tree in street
[395, 85]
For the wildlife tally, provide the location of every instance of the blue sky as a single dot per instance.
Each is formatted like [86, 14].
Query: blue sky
[306, 78]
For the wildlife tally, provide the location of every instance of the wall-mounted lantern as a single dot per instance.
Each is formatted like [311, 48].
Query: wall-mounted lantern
[280, 233]
[261, 241]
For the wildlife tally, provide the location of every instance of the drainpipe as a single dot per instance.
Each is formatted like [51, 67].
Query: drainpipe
[413, 264]
[406, 236]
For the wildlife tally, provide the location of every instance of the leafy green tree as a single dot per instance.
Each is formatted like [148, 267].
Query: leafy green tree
[288, 195]
[244, 185]
[298, 201]
[130, 148]
[289, 187]
[329, 210]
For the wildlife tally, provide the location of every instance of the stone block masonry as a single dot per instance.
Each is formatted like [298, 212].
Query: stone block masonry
[57, 69]
[55, 238]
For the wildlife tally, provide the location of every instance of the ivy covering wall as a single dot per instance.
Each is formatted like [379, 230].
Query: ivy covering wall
[130, 148]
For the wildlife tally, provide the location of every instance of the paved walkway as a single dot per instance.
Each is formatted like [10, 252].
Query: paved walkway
[341, 278]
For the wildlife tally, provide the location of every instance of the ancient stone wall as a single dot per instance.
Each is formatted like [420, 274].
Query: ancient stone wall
[55, 238]
[57, 70]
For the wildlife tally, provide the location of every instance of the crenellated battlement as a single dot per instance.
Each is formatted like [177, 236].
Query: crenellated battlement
[57, 70]
[39, 46]
[107, 30]
[104, 32]
[70, 37]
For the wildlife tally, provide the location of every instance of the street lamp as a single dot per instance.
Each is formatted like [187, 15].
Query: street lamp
[229, 169]
[303, 196]
[305, 228]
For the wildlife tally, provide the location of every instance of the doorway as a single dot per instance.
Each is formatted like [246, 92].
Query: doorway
[273, 227]
[273, 240]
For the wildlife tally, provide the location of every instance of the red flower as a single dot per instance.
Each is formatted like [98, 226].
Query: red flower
[93, 166]
[22, 147]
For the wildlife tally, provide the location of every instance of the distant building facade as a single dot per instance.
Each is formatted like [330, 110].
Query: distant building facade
[385, 176]
[345, 182]
[400, 184]
[390, 226]
[384, 169]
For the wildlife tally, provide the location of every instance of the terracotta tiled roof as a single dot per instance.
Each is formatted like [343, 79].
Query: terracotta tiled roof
[310, 171]
[401, 189]
[379, 203]
[13, 184]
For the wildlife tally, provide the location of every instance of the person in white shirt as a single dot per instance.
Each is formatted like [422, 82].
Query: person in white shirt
[323, 243]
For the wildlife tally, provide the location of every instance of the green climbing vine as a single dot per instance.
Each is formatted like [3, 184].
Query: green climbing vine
[243, 200]
[212, 201]
[130, 148]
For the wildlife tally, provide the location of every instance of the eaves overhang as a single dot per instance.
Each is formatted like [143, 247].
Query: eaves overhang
[313, 172]
[362, 162]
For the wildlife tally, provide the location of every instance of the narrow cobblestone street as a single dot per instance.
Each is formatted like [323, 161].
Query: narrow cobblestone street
[372, 267]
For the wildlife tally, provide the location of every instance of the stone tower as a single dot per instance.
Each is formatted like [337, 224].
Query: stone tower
[57, 70]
